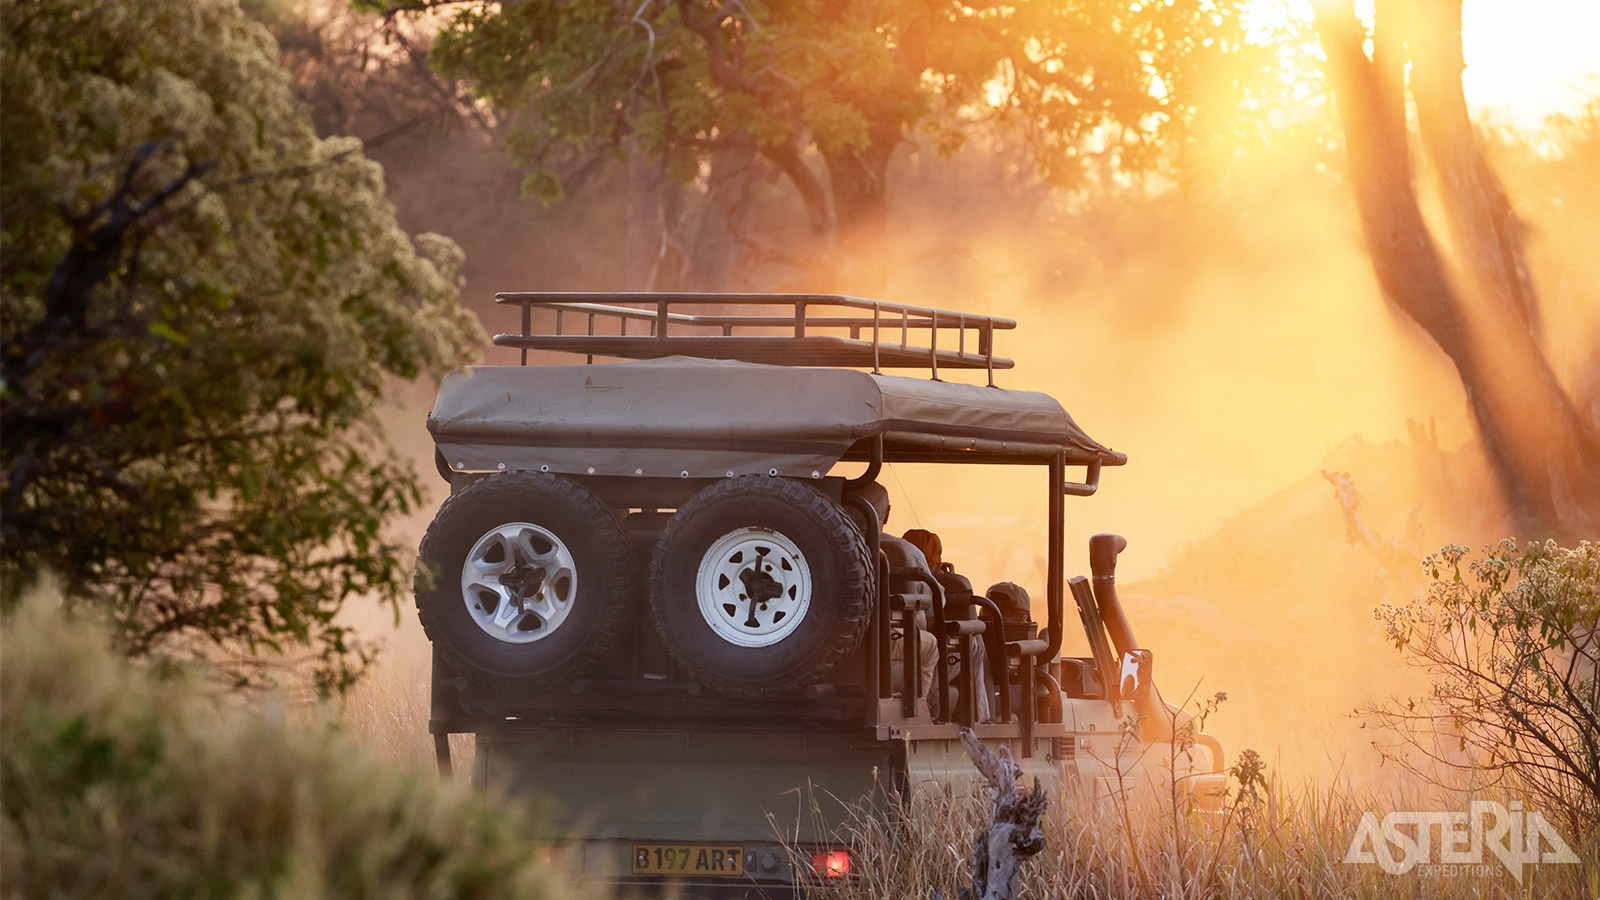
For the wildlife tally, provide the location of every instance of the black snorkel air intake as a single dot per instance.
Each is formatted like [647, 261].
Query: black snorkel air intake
[1103, 552]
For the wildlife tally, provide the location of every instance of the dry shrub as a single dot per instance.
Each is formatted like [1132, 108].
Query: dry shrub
[1510, 642]
[120, 780]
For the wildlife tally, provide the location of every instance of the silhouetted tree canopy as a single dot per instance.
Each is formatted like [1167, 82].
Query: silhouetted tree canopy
[1094, 83]
[203, 303]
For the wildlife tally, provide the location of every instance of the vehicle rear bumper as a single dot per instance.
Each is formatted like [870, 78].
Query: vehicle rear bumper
[647, 888]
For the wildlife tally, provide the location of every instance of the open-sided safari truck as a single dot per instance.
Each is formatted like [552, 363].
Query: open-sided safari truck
[653, 600]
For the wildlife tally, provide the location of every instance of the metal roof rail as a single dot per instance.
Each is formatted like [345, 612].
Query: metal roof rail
[855, 332]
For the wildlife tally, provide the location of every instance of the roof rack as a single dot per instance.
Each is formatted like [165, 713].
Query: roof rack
[854, 332]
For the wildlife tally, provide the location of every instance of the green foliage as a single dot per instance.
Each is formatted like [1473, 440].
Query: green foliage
[118, 781]
[202, 305]
[1112, 78]
[1511, 642]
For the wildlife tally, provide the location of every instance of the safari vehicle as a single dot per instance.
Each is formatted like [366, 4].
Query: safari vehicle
[659, 595]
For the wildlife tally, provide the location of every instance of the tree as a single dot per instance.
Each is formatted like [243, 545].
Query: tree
[203, 303]
[363, 76]
[1478, 302]
[1511, 643]
[698, 86]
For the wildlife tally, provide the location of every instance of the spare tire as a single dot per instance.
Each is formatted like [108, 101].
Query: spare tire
[760, 586]
[524, 580]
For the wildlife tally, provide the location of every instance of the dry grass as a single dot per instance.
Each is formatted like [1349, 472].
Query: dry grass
[1281, 843]
[120, 780]
[388, 711]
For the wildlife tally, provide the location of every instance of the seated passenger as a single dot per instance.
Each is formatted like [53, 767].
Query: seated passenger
[1012, 598]
[933, 549]
[1016, 611]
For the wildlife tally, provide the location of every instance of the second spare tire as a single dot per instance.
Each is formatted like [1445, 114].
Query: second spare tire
[760, 586]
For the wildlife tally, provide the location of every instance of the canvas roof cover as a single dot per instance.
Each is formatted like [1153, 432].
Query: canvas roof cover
[700, 418]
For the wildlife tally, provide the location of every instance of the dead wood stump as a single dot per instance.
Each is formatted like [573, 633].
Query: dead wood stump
[1013, 833]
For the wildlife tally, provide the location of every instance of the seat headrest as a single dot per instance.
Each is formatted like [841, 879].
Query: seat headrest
[954, 585]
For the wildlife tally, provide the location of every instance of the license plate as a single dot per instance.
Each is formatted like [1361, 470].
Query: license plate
[726, 860]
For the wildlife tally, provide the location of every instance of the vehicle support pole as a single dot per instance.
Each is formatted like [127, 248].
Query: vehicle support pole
[1053, 601]
[527, 327]
[966, 713]
[911, 648]
[942, 667]
[1056, 553]
[869, 676]
[911, 656]
[994, 645]
[442, 711]
[874, 466]
[881, 637]
[441, 753]
[1030, 704]
[877, 650]
[879, 634]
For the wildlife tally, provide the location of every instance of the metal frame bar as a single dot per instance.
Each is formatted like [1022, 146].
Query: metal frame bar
[1031, 656]
[801, 346]
[941, 669]
[885, 686]
[1056, 553]
[995, 648]
[1100, 647]
[876, 679]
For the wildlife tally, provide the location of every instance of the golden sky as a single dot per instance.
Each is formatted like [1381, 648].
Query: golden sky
[1526, 59]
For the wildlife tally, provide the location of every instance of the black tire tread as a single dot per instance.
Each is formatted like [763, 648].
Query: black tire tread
[619, 573]
[840, 644]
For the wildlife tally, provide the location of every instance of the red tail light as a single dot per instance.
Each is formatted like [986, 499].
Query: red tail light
[831, 863]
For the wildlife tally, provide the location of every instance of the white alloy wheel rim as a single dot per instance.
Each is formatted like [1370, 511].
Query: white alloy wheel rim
[519, 582]
[754, 587]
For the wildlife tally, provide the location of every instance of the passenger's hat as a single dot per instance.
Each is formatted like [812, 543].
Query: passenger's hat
[1012, 598]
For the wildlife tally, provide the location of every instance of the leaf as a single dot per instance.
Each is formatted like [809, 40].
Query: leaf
[167, 332]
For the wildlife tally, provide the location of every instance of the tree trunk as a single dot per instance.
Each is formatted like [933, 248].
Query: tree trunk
[1545, 457]
[1484, 231]
[649, 258]
[726, 215]
[859, 180]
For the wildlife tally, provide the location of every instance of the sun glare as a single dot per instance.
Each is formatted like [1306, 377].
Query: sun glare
[1532, 58]
[1526, 59]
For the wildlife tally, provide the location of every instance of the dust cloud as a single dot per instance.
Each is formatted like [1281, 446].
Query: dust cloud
[1228, 337]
